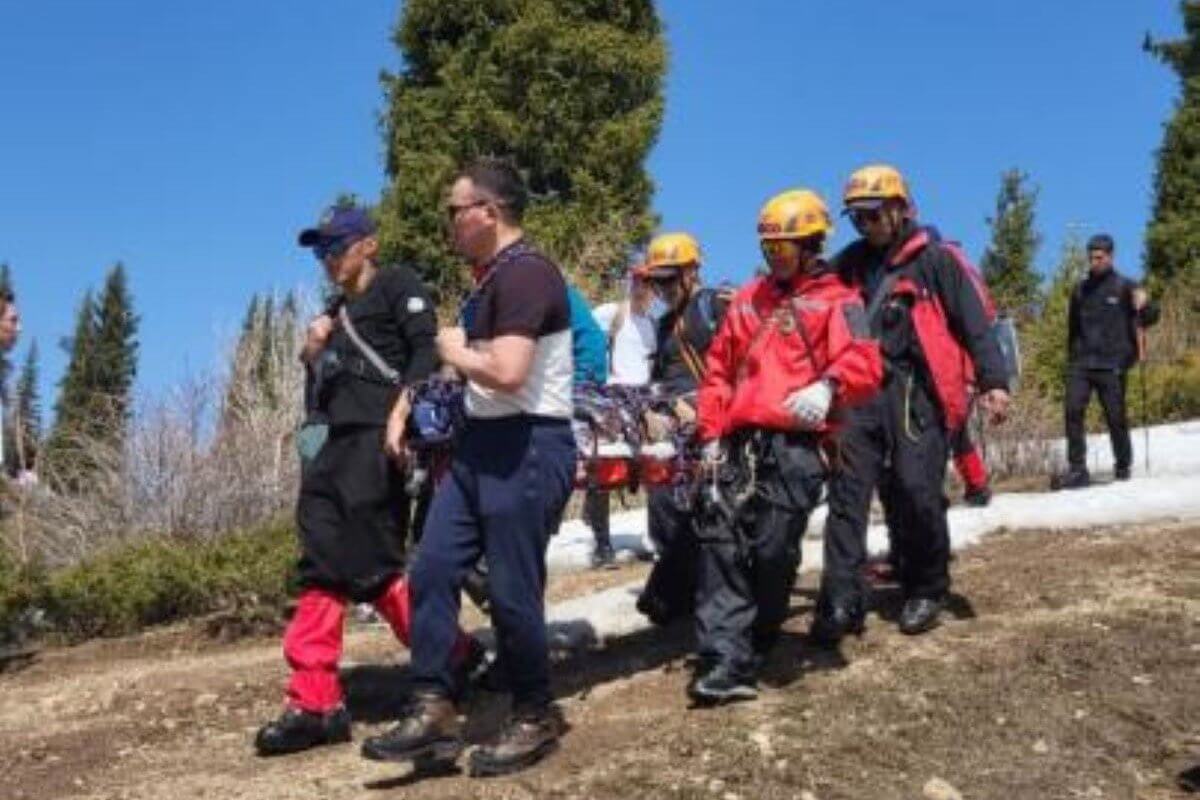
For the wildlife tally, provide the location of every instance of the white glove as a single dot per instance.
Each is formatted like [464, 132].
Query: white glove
[810, 405]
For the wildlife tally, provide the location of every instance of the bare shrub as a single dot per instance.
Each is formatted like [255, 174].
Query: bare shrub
[212, 455]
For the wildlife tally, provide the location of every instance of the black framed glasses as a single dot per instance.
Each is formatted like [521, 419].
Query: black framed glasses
[452, 210]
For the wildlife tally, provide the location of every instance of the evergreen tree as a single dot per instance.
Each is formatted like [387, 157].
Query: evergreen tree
[1173, 234]
[74, 411]
[116, 348]
[1007, 263]
[27, 416]
[570, 90]
[1046, 345]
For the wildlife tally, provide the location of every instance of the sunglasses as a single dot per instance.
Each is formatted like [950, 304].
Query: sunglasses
[452, 210]
[772, 248]
[865, 216]
[334, 249]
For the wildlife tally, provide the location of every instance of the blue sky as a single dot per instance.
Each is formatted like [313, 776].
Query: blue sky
[191, 141]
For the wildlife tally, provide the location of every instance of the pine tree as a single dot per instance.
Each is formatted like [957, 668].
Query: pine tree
[570, 90]
[1173, 234]
[1046, 345]
[1008, 263]
[27, 415]
[74, 411]
[116, 349]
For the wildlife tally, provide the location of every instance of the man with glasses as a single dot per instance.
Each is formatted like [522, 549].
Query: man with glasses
[1106, 321]
[352, 500]
[928, 314]
[685, 331]
[509, 480]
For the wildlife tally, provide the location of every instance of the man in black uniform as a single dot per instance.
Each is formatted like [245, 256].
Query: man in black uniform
[376, 340]
[930, 320]
[684, 333]
[1105, 320]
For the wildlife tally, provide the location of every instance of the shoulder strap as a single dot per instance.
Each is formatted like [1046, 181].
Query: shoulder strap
[881, 292]
[385, 369]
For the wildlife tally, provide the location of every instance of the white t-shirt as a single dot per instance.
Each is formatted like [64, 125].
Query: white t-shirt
[633, 347]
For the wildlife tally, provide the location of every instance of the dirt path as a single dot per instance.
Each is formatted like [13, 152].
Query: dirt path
[1072, 671]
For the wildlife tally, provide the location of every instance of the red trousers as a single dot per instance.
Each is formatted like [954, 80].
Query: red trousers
[312, 644]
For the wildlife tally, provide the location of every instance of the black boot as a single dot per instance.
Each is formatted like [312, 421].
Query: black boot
[920, 614]
[833, 622]
[429, 732]
[528, 737]
[298, 730]
[604, 557]
[978, 496]
[722, 684]
[1073, 478]
[1122, 473]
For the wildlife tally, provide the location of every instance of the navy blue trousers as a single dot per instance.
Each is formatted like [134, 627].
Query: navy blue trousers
[502, 499]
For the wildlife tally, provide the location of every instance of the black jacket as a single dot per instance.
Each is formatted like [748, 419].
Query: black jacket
[1102, 324]
[935, 270]
[700, 319]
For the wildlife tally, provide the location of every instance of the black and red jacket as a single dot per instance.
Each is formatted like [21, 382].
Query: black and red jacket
[935, 323]
[776, 339]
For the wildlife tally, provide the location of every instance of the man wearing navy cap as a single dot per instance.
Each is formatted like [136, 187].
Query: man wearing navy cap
[375, 341]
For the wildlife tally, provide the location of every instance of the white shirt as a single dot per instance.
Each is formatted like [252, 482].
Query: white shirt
[632, 348]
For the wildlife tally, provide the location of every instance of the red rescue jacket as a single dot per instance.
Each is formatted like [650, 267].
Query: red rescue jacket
[776, 340]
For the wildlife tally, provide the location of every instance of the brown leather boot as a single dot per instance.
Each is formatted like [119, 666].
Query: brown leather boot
[429, 731]
[527, 738]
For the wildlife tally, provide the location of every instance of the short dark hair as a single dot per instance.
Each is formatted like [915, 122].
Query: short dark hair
[503, 185]
[7, 297]
[1101, 241]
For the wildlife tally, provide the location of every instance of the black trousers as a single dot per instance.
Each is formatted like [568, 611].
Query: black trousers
[748, 562]
[896, 443]
[671, 586]
[596, 512]
[1109, 385]
[352, 516]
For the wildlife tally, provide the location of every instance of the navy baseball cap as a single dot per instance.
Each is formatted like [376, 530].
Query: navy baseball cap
[339, 223]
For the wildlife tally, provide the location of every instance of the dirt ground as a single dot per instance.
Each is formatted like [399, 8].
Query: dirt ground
[1070, 668]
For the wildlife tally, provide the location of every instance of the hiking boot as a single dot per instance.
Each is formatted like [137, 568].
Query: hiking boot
[1074, 478]
[429, 731]
[297, 730]
[1121, 474]
[721, 685]
[920, 614]
[830, 625]
[604, 557]
[528, 737]
[978, 496]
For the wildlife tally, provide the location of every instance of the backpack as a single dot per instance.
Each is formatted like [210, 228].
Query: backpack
[1003, 330]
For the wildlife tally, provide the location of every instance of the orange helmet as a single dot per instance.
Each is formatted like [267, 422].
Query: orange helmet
[794, 215]
[873, 184]
[671, 252]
